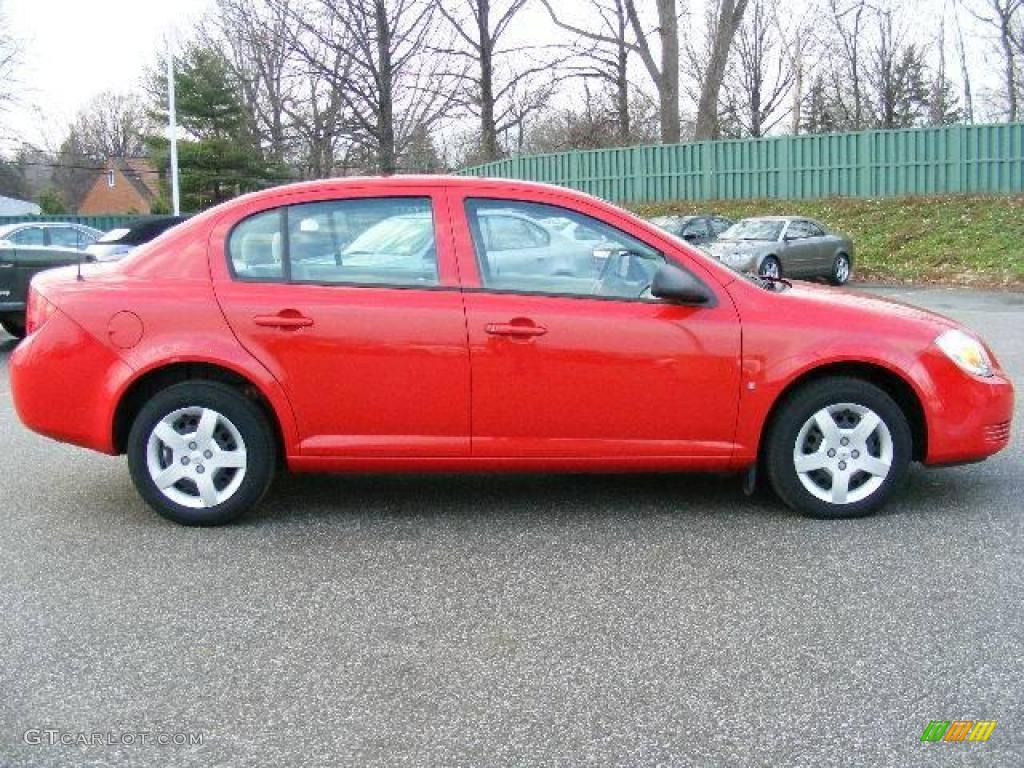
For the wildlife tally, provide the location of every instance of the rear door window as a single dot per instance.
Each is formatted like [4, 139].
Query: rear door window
[363, 241]
[65, 237]
[798, 230]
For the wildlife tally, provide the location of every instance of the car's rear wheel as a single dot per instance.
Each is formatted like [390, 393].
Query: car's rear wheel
[838, 448]
[14, 327]
[840, 270]
[770, 268]
[201, 453]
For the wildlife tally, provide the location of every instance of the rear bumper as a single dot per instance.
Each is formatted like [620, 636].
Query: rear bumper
[968, 416]
[65, 383]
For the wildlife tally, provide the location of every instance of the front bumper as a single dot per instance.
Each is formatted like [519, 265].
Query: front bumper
[74, 408]
[968, 416]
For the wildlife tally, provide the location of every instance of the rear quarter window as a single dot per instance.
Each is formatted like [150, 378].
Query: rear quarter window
[256, 247]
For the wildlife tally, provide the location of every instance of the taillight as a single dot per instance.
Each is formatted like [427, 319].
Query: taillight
[39, 311]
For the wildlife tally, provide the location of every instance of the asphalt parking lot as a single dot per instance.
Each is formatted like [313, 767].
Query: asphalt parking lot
[514, 621]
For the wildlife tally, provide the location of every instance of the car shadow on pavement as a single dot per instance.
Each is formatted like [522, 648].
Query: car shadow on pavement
[399, 497]
[381, 498]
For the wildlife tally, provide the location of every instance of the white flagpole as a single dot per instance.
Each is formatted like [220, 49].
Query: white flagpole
[172, 119]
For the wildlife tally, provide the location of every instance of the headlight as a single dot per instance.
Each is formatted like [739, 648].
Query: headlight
[966, 351]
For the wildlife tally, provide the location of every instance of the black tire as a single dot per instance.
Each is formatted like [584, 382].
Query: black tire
[14, 327]
[771, 261]
[837, 276]
[789, 421]
[244, 415]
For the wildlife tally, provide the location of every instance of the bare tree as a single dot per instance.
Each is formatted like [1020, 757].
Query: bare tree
[1003, 16]
[318, 118]
[387, 83]
[760, 76]
[665, 75]
[727, 18]
[896, 74]
[586, 126]
[848, 19]
[504, 82]
[111, 125]
[798, 43]
[10, 58]
[965, 73]
[603, 52]
[942, 101]
[255, 37]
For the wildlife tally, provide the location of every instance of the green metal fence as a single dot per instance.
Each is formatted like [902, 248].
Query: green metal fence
[954, 159]
[102, 223]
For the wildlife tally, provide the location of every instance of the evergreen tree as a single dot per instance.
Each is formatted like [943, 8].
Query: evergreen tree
[218, 157]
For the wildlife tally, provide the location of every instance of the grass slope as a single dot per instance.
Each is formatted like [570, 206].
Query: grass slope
[958, 240]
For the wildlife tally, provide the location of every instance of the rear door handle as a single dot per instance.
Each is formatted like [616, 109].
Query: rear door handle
[287, 319]
[515, 329]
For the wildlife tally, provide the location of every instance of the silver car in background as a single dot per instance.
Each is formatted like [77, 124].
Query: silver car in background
[67, 236]
[785, 246]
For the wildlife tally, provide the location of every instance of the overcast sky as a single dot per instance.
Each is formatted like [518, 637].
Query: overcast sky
[75, 49]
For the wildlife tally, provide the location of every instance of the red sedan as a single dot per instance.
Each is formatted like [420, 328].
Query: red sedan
[420, 324]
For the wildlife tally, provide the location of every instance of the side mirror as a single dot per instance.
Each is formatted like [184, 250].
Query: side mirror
[674, 284]
[689, 236]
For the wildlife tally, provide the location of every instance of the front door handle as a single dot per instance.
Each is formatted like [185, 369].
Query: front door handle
[287, 319]
[519, 330]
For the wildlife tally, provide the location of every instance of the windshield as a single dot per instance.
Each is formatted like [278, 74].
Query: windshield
[397, 236]
[754, 229]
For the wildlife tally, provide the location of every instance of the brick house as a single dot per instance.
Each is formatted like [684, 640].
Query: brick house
[128, 185]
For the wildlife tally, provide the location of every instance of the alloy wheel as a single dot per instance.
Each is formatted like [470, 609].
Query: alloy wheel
[843, 453]
[842, 269]
[770, 268]
[196, 457]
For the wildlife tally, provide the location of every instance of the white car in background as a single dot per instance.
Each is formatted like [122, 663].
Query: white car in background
[520, 245]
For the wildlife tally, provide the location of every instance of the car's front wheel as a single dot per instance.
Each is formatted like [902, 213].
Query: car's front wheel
[201, 453]
[839, 447]
[770, 268]
[840, 270]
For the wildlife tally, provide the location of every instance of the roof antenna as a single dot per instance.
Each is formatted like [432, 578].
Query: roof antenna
[79, 276]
